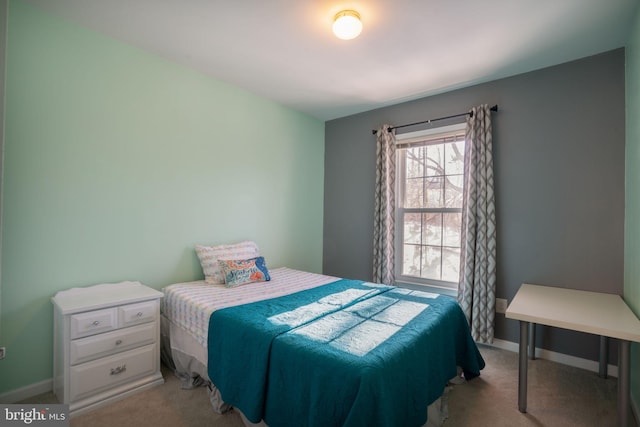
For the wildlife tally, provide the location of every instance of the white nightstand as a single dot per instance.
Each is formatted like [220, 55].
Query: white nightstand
[106, 343]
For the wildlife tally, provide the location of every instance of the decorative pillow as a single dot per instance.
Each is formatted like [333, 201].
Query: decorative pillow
[240, 272]
[209, 256]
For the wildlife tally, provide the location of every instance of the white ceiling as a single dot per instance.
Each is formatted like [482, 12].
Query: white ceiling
[284, 49]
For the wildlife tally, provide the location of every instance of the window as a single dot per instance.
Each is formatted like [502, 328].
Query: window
[429, 214]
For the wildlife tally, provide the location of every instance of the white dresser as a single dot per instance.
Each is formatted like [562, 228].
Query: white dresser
[106, 343]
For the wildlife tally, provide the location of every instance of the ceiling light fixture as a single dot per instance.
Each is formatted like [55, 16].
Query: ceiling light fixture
[347, 24]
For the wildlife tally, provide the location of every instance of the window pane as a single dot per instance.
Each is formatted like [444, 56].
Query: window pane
[434, 192]
[431, 261]
[435, 160]
[412, 228]
[413, 193]
[453, 191]
[432, 229]
[454, 160]
[432, 184]
[451, 229]
[414, 162]
[411, 260]
[450, 264]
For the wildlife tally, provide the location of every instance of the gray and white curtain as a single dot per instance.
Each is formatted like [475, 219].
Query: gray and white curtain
[476, 293]
[384, 213]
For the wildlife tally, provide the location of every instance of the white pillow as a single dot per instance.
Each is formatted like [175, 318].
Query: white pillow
[210, 255]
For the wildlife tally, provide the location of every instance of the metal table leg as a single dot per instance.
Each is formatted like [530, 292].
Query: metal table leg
[604, 356]
[522, 369]
[623, 383]
[532, 341]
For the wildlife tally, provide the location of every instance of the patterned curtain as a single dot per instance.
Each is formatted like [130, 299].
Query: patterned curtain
[384, 213]
[476, 293]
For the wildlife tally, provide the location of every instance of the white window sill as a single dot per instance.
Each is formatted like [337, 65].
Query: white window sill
[428, 288]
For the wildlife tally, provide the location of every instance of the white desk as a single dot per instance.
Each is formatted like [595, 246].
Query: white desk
[606, 315]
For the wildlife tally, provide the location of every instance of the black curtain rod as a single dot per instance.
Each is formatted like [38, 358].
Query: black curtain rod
[470, 113]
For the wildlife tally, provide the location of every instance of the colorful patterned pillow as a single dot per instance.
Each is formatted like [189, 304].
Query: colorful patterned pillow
[209, 256]
[240, 272]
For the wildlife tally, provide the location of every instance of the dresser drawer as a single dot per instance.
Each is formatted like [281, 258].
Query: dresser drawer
[93, 377]
[93, 347]
[133, 314]
[93, 322]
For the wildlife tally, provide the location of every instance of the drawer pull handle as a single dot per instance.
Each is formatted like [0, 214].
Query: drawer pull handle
[118, 342]
[118, 370]
[96, 323]
[139, 314]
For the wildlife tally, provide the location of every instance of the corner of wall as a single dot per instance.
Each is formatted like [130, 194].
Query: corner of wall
[3, 48]
[632, 201]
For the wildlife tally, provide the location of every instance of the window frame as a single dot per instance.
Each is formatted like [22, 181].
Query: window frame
[404, 139]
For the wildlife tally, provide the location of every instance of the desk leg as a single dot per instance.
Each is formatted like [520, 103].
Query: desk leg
[623, 383]
[522, 369]
[604, 356]
[532, 341]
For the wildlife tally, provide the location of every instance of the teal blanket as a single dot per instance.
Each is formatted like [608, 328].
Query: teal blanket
[348, 353]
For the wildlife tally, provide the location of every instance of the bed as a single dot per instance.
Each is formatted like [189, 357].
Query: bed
[317, 349]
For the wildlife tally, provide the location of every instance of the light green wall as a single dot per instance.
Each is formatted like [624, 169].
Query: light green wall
[632, 194]
[118, 162]
[3, 45]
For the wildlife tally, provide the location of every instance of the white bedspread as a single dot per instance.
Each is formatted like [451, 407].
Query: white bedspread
[189, 305]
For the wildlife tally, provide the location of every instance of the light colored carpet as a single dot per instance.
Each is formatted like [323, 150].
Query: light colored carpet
[558, 396]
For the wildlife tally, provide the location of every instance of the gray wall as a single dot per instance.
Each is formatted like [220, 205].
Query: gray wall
[559, 176]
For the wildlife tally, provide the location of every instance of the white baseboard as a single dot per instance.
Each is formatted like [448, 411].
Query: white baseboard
[27, 392]
[565, 359]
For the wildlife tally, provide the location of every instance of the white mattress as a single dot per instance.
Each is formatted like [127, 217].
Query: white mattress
[189, 305]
